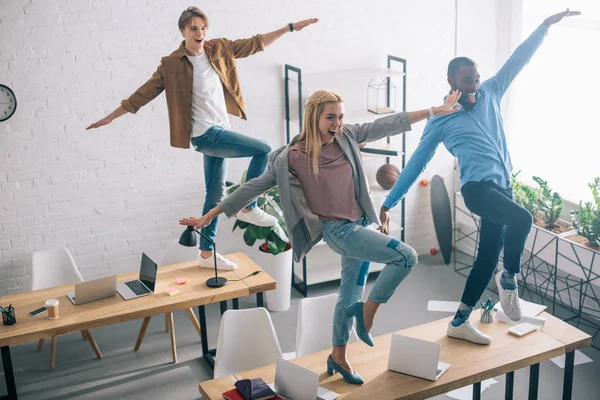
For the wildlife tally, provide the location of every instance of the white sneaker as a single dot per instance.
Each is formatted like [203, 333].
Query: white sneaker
[222, 262]
[256, 216]
[468, 332]
[509, 300]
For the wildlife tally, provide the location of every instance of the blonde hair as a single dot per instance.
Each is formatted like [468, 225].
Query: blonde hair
[189, 14]
[310, 139]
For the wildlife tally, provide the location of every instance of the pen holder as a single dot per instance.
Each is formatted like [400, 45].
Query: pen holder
[8, 317]
[486, 311]
[486, 316]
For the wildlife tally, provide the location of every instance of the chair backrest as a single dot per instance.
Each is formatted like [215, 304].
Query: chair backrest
[314, 330]
[177, 253]
[53, 267]
[247, 340]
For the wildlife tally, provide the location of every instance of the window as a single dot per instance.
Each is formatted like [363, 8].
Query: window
[554, 120]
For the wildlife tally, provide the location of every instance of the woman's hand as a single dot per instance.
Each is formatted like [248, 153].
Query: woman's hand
[298, 26]
[197, 223]
[448, 107]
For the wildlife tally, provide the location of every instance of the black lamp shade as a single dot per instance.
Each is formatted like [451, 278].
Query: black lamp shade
[188, 238]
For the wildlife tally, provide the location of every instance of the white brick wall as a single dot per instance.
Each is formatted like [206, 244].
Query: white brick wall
[112, 193]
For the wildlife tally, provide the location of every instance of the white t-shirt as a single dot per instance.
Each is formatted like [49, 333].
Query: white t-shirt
[208, 99]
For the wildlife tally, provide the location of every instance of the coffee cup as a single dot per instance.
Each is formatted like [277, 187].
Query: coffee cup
[52, 306]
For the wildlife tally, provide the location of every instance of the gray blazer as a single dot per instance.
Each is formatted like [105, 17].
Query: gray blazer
[305, 229]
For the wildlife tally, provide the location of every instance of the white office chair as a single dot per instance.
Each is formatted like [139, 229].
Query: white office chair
[315, 325]
[247, 340]
[51, 268]
[174, 254]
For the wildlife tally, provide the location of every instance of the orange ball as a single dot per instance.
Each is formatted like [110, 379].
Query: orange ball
[433, 252]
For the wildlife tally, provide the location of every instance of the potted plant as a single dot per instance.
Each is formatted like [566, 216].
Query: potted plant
[524, 195]
[273, 253]
[587, 219]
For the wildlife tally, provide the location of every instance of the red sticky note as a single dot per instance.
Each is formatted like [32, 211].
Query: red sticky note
[182, 281]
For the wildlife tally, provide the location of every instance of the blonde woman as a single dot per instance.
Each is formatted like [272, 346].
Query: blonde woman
[201, 85]
[325, 195]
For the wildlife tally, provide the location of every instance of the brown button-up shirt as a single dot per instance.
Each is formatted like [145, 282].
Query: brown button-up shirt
[175, 76]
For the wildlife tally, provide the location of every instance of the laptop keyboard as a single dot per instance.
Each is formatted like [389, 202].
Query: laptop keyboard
[137, 287]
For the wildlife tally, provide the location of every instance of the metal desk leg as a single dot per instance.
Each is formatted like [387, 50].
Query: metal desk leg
[477, 391]
[510, 382]
[260, 302]
[534, 378]
[236, 304]
[9, 376]
[223, 306]
[206, 354]
[568, 380]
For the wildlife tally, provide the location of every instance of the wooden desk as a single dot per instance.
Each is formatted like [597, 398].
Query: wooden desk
[470, 363]
[114, 310]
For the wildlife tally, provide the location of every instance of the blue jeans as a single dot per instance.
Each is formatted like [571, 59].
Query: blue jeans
[504, 223]
[218, 144]
[358, 244]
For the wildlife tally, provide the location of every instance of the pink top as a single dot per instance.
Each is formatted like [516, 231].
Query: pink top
[330, 195]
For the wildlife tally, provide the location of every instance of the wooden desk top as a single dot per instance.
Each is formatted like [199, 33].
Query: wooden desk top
[114, 309]
[470, 363]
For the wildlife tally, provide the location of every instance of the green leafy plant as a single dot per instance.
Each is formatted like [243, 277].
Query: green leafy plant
[524, 195]
[586, 219]
[273, 238]
[549, 203]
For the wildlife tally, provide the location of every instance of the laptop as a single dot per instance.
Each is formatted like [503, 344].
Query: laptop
[298, 383]
[97, 289]
[416, 357]
[142, 286]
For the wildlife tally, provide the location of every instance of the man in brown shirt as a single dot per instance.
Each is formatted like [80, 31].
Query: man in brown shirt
[201, 85]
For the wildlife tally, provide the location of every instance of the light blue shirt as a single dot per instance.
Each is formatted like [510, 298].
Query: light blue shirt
[475, 137]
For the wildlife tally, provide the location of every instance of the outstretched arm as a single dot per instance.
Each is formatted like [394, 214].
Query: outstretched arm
[523, 54]
[246, 47]
[148, 91]
[400, 122]
[417, 163]
[269, 38]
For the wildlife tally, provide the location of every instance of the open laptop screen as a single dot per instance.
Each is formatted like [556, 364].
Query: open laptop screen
[148, 271]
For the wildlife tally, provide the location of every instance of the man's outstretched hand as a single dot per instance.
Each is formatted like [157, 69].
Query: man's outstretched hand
[551, 20]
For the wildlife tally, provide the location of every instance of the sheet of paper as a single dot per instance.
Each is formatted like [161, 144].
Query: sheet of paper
[502, 317]
[580, 358]
[443, 306]
[527, 308]
[466, 393]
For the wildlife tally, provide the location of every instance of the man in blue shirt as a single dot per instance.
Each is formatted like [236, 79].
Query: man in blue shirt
[475, 135]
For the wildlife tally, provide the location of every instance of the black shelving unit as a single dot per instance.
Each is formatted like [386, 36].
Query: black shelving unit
[302, 287]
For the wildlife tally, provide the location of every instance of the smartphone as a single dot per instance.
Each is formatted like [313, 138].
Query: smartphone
[38, 311]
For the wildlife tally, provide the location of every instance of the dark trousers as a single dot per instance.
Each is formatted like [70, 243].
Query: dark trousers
[503, 223]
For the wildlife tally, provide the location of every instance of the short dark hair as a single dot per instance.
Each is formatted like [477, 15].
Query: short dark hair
[458, 62]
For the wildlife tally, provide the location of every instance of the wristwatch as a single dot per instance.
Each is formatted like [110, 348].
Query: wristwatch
[291, 27]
